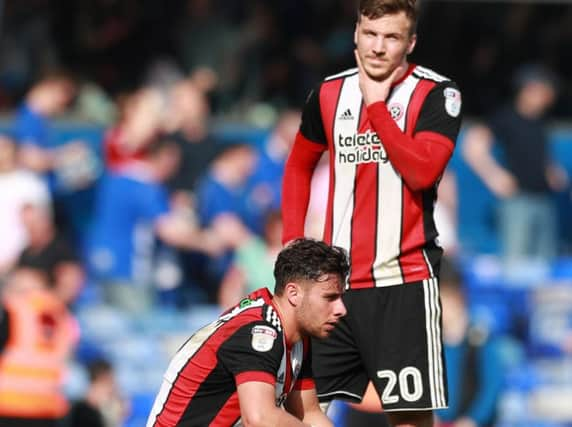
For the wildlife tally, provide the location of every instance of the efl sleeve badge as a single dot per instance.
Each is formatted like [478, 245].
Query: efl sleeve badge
[263, 338]
[452, 101]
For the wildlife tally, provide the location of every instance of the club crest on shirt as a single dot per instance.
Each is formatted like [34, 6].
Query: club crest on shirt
[396, 111]
[263, 338]
[452, 101]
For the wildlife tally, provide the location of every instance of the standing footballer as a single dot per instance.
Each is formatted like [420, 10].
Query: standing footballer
[389, 127]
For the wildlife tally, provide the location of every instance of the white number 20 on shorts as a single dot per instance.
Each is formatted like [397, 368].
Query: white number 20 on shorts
[409, 390]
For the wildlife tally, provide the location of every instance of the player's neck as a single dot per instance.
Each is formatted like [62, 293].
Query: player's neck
[287, 318]
[405, 69]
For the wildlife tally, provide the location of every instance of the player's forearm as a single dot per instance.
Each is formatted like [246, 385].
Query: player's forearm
[273, 417]
[295, 200]
[303, 403]
[317, 419]
[421, 160]
[296, 187]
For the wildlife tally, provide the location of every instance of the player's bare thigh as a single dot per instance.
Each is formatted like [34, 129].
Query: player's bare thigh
[410, 418]
[372, 403]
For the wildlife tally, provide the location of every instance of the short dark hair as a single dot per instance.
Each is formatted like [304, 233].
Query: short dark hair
[60, 75]
[535, 73]
[374, 9]
[98, 368]
[308, 260]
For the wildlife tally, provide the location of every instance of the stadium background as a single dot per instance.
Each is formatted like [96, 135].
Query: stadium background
[256, 58]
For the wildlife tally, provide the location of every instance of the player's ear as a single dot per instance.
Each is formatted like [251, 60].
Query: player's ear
[412, 43]
[294, 293]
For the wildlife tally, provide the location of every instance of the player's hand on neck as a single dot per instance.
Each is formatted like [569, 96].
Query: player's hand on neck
[375, 90]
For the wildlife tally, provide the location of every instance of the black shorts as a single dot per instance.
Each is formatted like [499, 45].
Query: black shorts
[391, 336]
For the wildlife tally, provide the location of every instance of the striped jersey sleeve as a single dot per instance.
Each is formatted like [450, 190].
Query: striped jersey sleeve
[441, 111]
[312, 126]
[253, 353]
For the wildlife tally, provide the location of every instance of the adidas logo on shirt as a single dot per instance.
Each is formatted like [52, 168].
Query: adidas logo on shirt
[346, 115]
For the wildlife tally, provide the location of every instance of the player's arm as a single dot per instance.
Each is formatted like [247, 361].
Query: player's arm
[304, 405]
[258, 407]
[422, 158]
[308, 147]
[253, 355]
[303, 400]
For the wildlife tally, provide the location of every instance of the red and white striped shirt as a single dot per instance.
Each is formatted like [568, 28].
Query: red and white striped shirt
[246, 343]
[385, 163]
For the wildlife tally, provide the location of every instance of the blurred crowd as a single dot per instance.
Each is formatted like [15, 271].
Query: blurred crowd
[244, 53]
[169, 202]
[254, 53]
[159, 212]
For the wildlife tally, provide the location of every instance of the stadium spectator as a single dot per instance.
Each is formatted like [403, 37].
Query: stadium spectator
[265, 183]
[524, 181]
[101, 406]
[37, 337]
[28, 47]
[222, 190]
[254, 257]
[180, 115]
[138, 127]
[255, 358]
[132, 209]
[224, 186]
[47, 98]
[67, 165]
[391, 128]
[50, 254]
[476, 362]
[17, 188]
[187, 123]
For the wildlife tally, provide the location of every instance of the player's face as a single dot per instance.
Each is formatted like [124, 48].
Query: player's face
[321, 307]
[383, 43]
